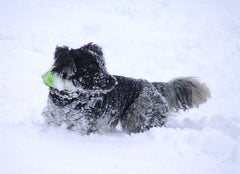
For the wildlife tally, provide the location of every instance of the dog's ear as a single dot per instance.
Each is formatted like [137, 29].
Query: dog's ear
[61, 52]
[94, 48]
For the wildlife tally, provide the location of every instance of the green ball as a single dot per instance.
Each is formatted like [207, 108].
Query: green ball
[48, 78]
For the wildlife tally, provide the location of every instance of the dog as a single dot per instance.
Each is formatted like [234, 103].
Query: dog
[85, 98]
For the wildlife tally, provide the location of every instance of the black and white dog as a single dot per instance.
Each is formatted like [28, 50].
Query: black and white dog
[84, 97]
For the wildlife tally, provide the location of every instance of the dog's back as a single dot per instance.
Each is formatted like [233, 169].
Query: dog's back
[154, 101]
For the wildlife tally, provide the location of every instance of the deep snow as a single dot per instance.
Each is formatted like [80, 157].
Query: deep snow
[157, 40]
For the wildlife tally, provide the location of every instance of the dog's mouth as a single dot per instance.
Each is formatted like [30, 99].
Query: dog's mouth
[54, 81]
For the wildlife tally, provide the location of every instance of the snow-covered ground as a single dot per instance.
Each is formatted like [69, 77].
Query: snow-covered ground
[156, 40]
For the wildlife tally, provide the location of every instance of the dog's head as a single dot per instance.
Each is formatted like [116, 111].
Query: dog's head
[84, 67]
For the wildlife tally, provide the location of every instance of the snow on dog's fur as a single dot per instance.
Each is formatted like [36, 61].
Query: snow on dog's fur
[96, 101]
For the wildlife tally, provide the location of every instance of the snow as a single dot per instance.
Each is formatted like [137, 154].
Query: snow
[157, 40]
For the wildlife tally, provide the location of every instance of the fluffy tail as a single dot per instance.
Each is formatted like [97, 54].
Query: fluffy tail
[183, 93]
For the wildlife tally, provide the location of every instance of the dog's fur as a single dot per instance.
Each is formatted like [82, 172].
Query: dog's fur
[101, 101]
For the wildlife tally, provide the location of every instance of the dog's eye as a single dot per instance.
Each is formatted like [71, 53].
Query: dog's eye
[93, 66]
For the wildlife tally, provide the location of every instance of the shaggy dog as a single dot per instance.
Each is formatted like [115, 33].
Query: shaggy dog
[84, 97]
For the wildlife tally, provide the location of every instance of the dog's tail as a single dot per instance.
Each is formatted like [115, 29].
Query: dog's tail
[183, 93]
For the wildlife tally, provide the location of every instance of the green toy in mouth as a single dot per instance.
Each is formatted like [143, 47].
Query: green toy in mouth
[48, 78]
[51, 79]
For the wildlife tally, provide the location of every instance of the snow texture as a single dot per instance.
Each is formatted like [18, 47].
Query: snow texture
[156, 40]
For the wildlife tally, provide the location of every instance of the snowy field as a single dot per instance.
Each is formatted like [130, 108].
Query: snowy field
[155, 40]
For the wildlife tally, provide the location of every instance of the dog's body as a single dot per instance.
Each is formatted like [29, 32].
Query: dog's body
[98, 101]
